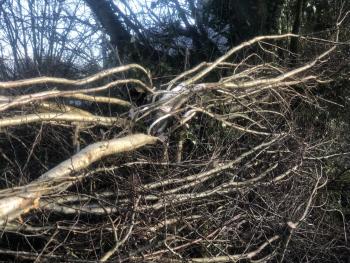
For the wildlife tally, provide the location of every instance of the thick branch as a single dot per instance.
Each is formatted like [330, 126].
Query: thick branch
[28, 197]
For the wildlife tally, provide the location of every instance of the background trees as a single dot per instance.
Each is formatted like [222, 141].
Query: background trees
[209, 149]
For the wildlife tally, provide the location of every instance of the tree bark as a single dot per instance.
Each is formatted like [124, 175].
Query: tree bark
[296, 25]
[119, 36]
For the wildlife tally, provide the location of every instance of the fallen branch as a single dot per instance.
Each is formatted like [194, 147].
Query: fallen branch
[23, 200]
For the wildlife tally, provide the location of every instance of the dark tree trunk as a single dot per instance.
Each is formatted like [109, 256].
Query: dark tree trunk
[119, 37]
[296, 25]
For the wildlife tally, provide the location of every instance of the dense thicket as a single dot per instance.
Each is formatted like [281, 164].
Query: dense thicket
[174, 131]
